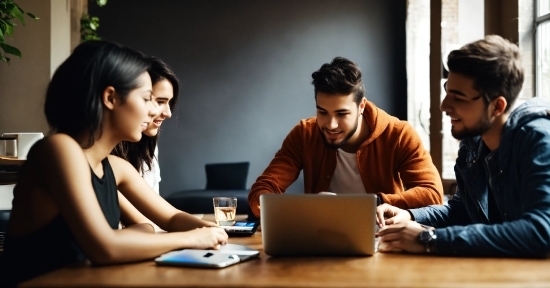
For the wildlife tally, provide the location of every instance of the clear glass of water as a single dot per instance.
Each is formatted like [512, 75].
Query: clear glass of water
[225, 209]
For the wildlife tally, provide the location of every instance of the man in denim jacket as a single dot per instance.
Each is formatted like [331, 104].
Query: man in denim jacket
[502, 204]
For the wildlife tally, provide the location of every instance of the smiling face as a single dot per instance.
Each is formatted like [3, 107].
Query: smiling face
[163, 92]
[338, 118]
[132, 116]
[464, 104]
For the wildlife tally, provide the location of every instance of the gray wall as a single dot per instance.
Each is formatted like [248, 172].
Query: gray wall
[246, 70]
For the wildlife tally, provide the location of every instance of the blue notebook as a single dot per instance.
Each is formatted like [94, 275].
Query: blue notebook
[227, 255]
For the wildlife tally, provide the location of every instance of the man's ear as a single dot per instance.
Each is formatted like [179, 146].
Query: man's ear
[500, 105]
[362, 105]
[108, 97]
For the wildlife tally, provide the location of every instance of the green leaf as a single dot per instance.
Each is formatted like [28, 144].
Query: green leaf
[4, 58]
[101, 3]
[6, 27]
[10, 50]
[16, 12]
[9, 30]
[32, 16]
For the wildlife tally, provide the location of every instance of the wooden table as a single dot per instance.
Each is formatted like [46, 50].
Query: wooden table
[379, 270]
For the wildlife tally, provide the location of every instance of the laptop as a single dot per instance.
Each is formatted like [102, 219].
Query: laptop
[318, 225]
[227, 255]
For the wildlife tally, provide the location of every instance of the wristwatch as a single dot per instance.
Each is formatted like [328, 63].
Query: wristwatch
[379, 200]
[427, 237]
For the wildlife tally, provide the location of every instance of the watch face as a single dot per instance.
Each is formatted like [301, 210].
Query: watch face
[426, 236]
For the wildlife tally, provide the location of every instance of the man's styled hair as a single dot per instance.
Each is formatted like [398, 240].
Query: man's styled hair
[341, 76]
[495, 66]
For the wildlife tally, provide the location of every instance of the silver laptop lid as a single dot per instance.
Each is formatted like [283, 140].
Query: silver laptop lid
[318, 225]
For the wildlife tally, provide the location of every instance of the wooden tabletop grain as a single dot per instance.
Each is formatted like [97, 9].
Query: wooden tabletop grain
[379, 270]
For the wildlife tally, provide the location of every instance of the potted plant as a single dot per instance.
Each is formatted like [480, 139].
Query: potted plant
[9, 11]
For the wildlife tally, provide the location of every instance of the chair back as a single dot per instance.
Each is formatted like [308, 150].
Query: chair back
[227, 176]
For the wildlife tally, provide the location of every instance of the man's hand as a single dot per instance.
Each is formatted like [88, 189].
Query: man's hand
[394, 215]
[401, 237]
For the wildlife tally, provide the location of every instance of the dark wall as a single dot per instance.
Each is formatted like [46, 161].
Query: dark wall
[246, 70]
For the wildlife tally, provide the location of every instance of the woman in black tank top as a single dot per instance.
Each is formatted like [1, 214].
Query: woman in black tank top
[65, 206]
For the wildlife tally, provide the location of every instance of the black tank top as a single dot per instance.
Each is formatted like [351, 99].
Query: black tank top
[54, 246]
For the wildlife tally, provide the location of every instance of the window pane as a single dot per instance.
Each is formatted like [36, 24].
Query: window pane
[543, 61]
[418, 68]
[450, 144]
[543, 7]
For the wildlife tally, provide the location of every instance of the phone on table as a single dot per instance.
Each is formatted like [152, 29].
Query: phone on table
[242, 228]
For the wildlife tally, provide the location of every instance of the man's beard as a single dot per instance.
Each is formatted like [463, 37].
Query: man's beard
[346, 139]
[481, 127]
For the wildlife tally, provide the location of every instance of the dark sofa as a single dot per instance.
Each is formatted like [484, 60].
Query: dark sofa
[222, 179]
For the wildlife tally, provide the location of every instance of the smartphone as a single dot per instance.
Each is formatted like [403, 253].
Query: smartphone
[242, 228]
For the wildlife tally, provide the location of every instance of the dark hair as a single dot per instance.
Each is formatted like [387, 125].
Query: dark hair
[142, 152]
[73, 99]
[341, 76]
[495, 66]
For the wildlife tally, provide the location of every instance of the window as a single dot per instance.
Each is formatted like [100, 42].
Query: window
[460, 22]
[542, 31]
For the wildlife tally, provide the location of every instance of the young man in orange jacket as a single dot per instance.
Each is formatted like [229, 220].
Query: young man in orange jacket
[351, 147]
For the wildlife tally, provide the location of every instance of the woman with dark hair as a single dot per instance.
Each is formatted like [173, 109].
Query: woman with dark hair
[143, 154]
[65, 206]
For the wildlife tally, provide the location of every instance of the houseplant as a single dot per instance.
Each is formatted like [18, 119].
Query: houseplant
[89, 25]
[9, 11]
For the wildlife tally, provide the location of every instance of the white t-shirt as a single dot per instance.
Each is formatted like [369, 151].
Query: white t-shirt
[346, 178]
[152, 177]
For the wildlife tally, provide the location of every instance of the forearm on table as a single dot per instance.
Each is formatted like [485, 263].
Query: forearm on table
[412, 198]
[183, 221]
[131, 245]
[142, 227]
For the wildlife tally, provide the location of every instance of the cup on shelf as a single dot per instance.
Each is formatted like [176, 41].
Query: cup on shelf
[8, 146]
[225, 210]
[23, 143]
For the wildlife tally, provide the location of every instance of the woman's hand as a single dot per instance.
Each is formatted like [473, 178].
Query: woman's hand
[207, 237]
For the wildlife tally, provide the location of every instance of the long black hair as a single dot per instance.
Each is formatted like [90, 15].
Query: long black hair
[74, 96]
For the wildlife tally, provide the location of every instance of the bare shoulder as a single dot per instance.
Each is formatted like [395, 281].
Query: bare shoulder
[56, 148]
[122, 169]
[54, 142]
[118, 162]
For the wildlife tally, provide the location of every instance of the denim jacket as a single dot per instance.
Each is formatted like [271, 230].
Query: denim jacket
[518, 173]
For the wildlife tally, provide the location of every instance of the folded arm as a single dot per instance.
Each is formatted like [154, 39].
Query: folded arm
[418, 174]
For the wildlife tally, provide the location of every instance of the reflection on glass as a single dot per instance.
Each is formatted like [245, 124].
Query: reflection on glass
[543, 60]
[543, 7]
